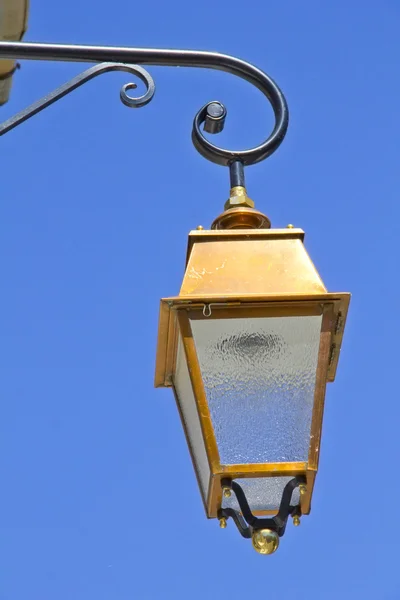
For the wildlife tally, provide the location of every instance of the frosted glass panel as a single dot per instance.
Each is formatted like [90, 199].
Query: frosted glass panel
[184, 392]
[259, 377]
[262, 493]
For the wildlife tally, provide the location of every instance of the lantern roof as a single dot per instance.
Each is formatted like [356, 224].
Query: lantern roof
[248, 270]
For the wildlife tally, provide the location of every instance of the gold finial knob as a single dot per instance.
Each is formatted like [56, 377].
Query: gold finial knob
[290, 226]
[302, 489]
[227, 493]
[296, 520]
[265, 541]
[223, 523]
[199, 227]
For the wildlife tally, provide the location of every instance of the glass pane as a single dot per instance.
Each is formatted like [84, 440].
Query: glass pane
[259, 377]
[187, 403]
[262, 493]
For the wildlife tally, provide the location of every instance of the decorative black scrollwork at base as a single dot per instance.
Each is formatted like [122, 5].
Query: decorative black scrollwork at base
[247, 523]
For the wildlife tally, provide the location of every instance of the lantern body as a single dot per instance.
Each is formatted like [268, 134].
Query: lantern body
[248, 347]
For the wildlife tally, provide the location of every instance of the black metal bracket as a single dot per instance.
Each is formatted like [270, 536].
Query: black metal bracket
[79, 80]
[212, 115]
[247, 523]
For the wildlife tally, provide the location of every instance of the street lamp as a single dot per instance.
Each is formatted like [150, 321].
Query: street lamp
[248, 347]
[253, 337]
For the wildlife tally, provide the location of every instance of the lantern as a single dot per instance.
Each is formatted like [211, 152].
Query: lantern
[248, 347]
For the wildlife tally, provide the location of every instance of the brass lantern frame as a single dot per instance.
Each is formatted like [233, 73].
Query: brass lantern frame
[175, 315]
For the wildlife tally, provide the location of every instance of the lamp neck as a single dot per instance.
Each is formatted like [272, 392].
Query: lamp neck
[239, 208]
[236, 174]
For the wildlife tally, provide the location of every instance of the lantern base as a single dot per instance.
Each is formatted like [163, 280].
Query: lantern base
[248, 524]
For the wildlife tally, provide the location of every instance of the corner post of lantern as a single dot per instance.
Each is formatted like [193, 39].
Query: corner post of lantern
[253, 337]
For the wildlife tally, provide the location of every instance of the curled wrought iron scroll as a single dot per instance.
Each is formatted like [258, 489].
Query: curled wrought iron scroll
[79, 80]
[127, 59]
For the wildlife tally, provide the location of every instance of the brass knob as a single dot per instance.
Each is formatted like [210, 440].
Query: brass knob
[227, 493]
[222, 523]
[296, 520]
[265, 541]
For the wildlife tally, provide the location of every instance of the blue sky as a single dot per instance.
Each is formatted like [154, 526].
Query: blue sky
[98, 495]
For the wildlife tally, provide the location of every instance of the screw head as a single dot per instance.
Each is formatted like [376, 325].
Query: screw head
[296, 520]
[227, 493]
[222, 523]
[265, 541]
[302, 489]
